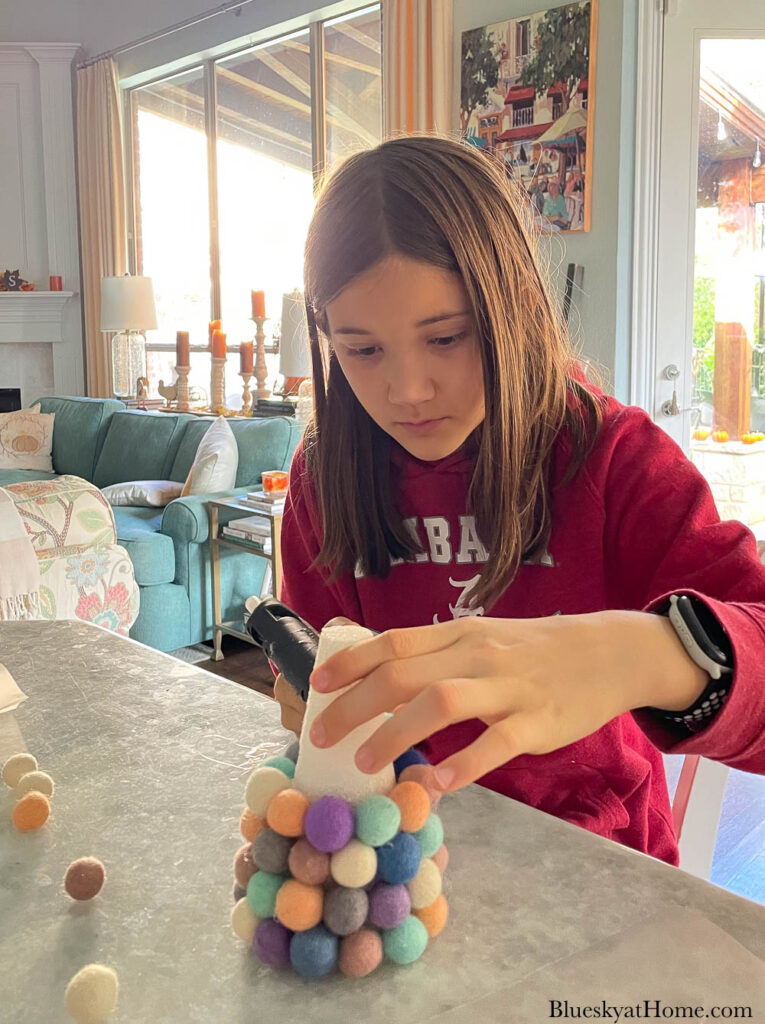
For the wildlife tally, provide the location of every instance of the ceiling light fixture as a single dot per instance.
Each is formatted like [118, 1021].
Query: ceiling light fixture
[721, 133]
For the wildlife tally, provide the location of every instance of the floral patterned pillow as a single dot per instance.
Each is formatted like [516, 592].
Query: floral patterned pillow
[26, 439]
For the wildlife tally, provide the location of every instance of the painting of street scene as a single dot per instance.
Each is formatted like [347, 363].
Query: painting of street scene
[527, 92]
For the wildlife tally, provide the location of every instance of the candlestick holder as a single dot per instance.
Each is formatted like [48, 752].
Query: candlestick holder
[218, 385]
[246, 394]
[182, 403]
[261, 368]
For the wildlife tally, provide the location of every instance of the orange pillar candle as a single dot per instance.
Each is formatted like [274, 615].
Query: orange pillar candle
[245, 357]
[218, 344]
[215, 325]
[258, 304]
[182, 348]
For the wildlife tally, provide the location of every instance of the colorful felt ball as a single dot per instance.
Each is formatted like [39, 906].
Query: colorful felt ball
[37, 782]
[240, 891]
[84, 878]
[345, 910]
[299, 906]
[284, 764]
[292, 751]
[407, 942]
[314, 953]
[434, 917]
[250, 824]
[271, 943]
[426, 885]
[389, 905]
[31, 812]
[261, 892]
[378, 819]
[287, 811]
[430, 836]
[399, 860]
[92, 993]
[270, 851]
[409, 757]
[243, 921]
[244, 867]
[329, 823]
[423, 773]
[360, 953]
[262, 786]
[16, 766]
[413, 802]
[441, 858]
[355, 865]
[308, 864]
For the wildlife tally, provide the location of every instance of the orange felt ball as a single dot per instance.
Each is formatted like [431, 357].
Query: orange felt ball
[286, 812]
[31, 812]
[250, 824]
[423, 773]
[299, 906]
[413, 802]
[434, 917]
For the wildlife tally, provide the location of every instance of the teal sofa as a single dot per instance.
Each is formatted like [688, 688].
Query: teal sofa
[105, 443]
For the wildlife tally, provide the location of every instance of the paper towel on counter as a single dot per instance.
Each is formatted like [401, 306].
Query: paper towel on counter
[10, 694]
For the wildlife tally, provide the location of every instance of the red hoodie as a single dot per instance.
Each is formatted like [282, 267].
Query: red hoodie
[636, 524]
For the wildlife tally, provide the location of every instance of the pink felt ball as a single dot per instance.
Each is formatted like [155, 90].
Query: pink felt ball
[441, 858]
[308, 864]
[84, 878]
[244, 867]
[360, 953]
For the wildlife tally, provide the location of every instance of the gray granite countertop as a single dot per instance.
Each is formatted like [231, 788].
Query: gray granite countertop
[150, 756]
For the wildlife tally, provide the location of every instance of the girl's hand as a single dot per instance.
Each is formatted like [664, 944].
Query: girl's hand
[539, 684]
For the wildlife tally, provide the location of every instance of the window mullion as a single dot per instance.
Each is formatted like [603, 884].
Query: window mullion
[211, 130]
[318, 105]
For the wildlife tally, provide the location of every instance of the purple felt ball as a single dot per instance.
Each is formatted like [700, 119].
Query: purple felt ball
[389, 905]
[271, 943]
[329, 824]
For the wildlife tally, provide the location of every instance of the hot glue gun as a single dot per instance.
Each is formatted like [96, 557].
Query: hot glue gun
[287, 640]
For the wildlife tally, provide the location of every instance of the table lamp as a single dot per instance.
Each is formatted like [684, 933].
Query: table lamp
[127, 307]
[294, 349]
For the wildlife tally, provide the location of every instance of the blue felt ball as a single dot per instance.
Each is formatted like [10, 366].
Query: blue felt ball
[314, 953]
[399, 860]
[431, 835]
[284, 764]
[410, 756]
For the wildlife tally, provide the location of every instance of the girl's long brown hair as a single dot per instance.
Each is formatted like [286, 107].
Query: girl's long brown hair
[443, 203]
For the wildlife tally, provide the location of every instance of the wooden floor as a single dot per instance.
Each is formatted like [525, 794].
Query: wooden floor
[739, 861]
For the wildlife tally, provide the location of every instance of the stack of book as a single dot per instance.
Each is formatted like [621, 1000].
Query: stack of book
[254, 529]
[267, 502]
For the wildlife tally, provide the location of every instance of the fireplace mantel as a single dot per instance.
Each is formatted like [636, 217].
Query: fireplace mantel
[32, 316]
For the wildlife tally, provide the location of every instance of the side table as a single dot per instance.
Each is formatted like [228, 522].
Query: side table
[273, 574]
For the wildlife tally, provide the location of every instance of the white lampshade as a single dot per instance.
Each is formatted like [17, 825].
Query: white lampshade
[127, 304]
[294, 350]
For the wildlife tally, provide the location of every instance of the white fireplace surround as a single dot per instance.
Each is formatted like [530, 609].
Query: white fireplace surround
[32, 316]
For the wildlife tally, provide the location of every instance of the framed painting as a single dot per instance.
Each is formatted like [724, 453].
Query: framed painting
[527, 97]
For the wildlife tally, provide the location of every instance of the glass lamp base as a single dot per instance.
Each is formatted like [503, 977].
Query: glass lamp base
[128, 363]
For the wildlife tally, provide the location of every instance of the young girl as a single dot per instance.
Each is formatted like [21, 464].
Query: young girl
[516, 537]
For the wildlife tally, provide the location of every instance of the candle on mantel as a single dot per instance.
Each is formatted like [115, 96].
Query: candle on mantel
[215, 325]
[182, 348]
[258, 304]
[218, 344]
[245, 357]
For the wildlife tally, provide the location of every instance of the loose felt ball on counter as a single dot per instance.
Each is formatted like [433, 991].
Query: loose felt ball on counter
[329, 823]
[284, 764]
[250, 824]
[308, 864]
[244, 867]
[408, 758]
[378, 819]
[31, 812]
[441, 858]
[360, 953]
[423, 773]
[270, 851]
[426, 885]
[299, 906]
[84, 878]
[92, 993]
[243, 921]
[261, 892]
[16, 766]
[286, 812]
[405, 944]
[271, 943]
[430, 836]
[399, 860]
[434, 917]
[35, 782]
[262, 786]
[389, 905]
[345, 910]
[413, 802]
[355, 865]
[314, 953]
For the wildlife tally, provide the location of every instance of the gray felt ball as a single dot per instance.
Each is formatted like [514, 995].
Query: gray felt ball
[239, 892]
[292, 751]
[345, 910]
[270, 851]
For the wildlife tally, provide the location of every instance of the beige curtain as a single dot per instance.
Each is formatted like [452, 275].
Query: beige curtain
[102, 207]
[417, 72]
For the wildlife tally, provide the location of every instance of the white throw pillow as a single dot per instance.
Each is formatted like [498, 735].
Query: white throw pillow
[26, 439]
[143, 492]
[216, 461]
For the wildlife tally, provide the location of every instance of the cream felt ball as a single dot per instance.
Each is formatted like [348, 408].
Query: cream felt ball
[17, 766]
[360, 953]
[407, 942]
[35, 782]
[84, 878]
[355, 865]
[425, 887]
[262, 786]
[92, 993]
[243, 920]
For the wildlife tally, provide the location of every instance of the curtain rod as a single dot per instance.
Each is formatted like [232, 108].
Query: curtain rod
[232, 5]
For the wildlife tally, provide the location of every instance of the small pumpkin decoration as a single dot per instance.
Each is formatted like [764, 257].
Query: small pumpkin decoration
[701, 434]
[720, 436]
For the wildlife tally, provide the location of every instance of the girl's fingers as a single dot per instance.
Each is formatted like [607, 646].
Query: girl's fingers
[503, 741]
